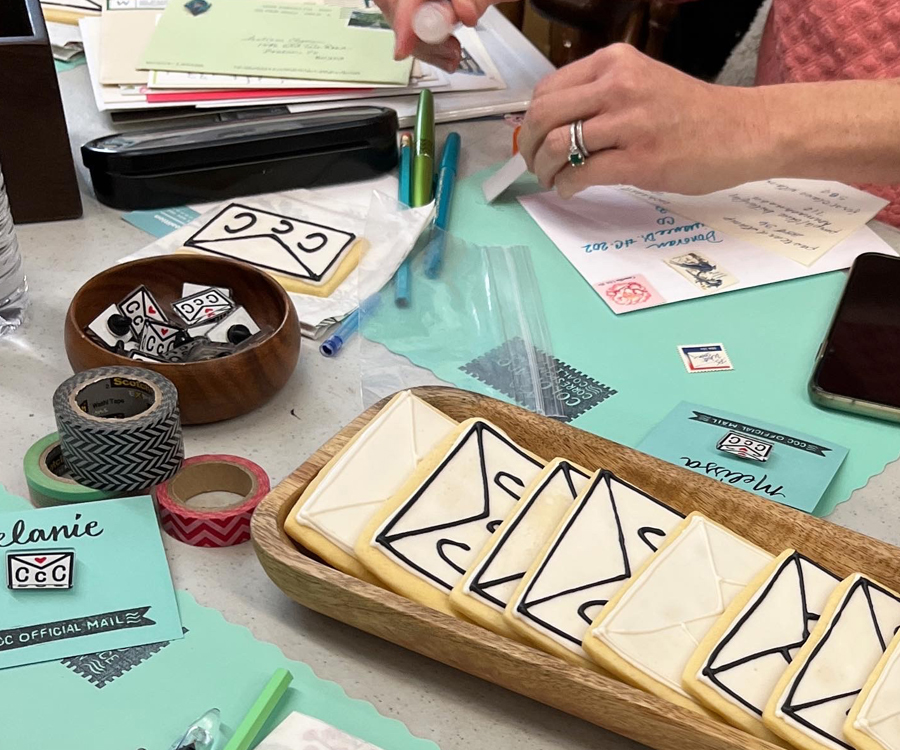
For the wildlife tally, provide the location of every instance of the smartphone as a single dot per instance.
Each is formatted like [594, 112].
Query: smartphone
[858, 365]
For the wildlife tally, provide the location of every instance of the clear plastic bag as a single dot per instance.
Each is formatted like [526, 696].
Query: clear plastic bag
[475, 318]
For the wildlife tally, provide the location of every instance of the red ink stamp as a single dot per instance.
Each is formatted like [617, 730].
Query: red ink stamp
[629, 293]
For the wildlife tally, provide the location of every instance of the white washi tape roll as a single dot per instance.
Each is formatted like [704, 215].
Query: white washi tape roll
[119, 428]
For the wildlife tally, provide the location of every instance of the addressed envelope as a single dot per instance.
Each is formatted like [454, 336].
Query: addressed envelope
[813, 697]
[277, 242]
[437, 532]
[737, 667]
[47, 569]
[608, 532]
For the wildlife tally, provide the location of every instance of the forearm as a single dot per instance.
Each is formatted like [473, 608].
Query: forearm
[840, 130]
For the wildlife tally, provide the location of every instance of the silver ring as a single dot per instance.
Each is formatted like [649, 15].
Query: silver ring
[577, 153]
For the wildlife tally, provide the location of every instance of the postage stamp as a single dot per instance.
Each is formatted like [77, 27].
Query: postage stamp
[629, 293]
[705, 357]
[702, 271]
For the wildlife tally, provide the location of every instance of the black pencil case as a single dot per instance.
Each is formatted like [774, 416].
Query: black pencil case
[244, 156]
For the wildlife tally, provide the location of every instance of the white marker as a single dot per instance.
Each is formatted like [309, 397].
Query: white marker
[434, 21]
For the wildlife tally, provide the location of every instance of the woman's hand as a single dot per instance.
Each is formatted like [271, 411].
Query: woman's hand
[445, 55]
[645, 124]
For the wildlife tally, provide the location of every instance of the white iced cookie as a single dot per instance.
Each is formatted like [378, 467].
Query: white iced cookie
[647, 633]
[874, 721]
[607, 533]
[810, 703]
[739, 662]
[335, 507]
[422, 541]
[487, 587]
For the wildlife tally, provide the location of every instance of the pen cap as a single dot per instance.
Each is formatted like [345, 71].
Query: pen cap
[433, 22]
[423, 142]
[450, 154]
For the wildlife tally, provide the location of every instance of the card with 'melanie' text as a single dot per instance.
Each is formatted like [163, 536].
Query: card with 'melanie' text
[83, 579]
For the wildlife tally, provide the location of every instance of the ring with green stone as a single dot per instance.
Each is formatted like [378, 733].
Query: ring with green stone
[577, 153]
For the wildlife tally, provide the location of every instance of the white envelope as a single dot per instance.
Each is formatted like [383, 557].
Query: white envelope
[747, 662]
[817, 699]
[609, 531]
[438, 532]
[285, 244]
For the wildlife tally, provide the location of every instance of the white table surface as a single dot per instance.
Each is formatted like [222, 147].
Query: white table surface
[456, 711]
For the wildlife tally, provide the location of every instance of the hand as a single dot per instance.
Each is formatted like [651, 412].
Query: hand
[446, 55]
[645, 124]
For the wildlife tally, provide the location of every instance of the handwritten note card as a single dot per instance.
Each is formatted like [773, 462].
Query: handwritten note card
[276, 38]
[637, 255]
[121, 594]
[800, 219]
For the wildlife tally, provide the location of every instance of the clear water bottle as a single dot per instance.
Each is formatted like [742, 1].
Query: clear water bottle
[13, 286]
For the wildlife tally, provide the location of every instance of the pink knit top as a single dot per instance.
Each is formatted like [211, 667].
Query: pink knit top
[828, 40]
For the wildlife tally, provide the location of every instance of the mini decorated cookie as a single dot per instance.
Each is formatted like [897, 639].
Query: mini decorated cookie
[811, 701]
[647, 633]
[484, 592]
[738, 663]
[607, 533]
[352, 486]
[874, 721]
[422, 541]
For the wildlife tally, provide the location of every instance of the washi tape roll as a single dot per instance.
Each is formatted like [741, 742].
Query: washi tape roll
[188, 510]
[48, 479]
[119, 428]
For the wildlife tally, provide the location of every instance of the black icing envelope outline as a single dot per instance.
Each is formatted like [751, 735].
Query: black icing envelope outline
[311, 275]
[384, 537]
[791, 710]
[712, 673]
[606, 477]
[479, 587]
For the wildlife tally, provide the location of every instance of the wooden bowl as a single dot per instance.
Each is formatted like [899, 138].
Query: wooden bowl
[600, 700]
[215, 389]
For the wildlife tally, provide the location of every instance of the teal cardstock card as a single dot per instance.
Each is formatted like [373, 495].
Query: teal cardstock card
[797, 472]
[122, 593]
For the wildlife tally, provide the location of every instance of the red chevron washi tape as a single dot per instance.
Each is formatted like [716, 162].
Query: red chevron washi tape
[202, 522]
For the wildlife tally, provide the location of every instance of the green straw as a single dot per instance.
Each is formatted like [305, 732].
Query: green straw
[260, 711]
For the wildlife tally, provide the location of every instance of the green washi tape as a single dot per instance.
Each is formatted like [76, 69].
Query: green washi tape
[48, 478]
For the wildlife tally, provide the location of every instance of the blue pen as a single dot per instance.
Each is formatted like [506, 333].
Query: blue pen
[446, 180]
[401, 281]
[333, 344]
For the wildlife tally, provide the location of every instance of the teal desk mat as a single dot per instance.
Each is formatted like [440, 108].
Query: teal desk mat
[771, 333]
[145, 696]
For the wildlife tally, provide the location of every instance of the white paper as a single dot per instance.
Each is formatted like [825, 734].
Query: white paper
[301, 732]
[609, 235]
[390, 232]
[801, 219]
[497, 184]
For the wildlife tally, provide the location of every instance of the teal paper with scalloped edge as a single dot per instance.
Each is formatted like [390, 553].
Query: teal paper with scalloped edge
[770, 332]
[149, 696]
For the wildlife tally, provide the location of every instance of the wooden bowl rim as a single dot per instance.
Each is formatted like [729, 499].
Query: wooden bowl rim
[173, 368]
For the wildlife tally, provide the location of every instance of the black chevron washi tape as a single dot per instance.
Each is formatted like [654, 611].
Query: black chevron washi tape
[119, 428]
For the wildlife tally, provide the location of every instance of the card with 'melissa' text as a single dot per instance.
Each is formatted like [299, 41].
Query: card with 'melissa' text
[83, 579]
[769, 460]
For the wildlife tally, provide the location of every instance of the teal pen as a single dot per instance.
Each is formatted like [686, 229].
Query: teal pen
[443, 197]
[401, 280]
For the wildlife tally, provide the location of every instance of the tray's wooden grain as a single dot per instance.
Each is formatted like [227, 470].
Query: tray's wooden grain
[600, 700]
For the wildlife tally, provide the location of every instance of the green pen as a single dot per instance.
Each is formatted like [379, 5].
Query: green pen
[423, 151]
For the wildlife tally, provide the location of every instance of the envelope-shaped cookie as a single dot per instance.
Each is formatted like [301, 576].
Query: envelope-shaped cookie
[484, 592]
[284, 244]
[607, 533]
[811, 701]
[336, 506]
[51, 569]
[647, 633]
[739, 662]
[422, 541]
[874, 721]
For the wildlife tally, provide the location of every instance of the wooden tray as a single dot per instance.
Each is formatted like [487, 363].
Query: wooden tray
[580, 692]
